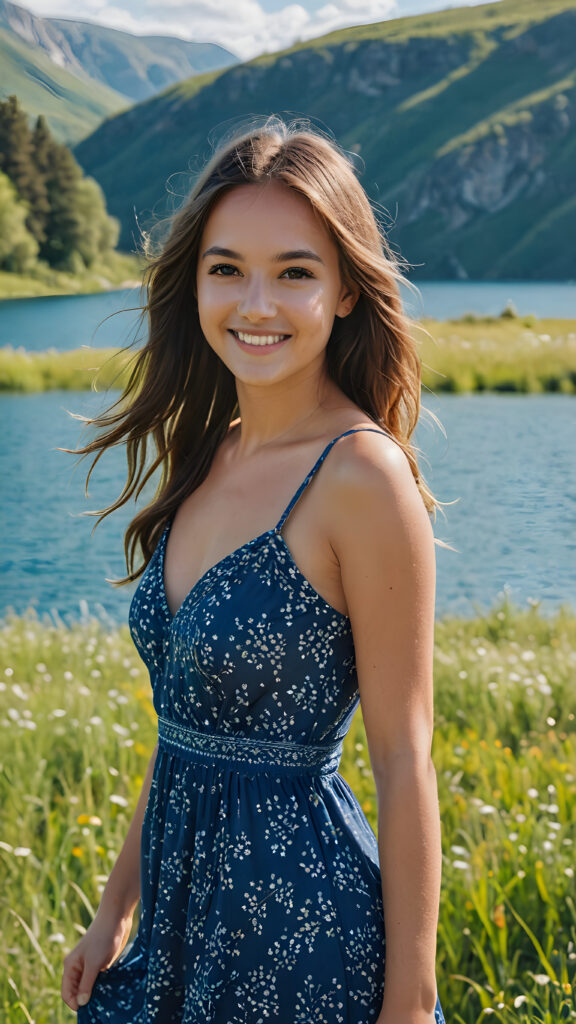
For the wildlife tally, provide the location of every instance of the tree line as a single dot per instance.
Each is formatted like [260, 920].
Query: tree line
[49, 211]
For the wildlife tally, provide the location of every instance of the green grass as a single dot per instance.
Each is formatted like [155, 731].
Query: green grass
[472, 354]
[517, 112]
[112, 272]
[78, 370]
[503, 353]
[78, 728]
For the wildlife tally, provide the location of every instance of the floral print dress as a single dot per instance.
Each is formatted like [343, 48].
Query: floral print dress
[261, 895]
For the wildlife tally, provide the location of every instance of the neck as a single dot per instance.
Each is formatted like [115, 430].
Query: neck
[274, 411]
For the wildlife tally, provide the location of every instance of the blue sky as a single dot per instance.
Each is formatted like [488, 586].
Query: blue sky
[247, 27]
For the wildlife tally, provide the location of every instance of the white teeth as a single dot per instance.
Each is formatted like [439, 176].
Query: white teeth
[263, 339]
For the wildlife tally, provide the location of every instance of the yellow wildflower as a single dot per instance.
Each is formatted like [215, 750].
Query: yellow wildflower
[498, 917]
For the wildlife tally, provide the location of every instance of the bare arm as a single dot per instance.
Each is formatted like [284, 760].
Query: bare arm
[382, 536]
[109, 932]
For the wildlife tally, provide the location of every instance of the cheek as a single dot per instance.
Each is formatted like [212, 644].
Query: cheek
[213, 302]
[207, 315]
[321, 308]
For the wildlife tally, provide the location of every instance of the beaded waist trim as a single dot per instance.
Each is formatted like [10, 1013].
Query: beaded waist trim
[245, 754]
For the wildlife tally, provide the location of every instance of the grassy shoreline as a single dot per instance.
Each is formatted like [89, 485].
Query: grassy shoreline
[504, 354]
[119, 270]
[79, 726]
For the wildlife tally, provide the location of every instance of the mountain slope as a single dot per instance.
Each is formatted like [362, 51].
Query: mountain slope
[73, 107]
[465, 121]
[77, 73]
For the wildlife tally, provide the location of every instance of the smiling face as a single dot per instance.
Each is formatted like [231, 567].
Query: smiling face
[268, 284]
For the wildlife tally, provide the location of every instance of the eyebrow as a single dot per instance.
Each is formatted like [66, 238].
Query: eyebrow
[280, 257]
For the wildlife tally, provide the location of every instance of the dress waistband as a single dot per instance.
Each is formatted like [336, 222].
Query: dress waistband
[247, 755]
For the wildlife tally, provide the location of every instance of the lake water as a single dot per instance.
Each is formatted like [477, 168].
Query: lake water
[66, 322]
[509, 459]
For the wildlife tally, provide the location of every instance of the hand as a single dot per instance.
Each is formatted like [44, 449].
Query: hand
[98, 948]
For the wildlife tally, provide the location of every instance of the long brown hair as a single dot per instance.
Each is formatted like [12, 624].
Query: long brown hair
[180, 397]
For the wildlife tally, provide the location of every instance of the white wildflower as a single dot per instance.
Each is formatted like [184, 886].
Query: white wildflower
[121, 801]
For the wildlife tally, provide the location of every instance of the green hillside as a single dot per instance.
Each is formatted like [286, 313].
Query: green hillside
[72, 106]
[513, 15]
[464, 122]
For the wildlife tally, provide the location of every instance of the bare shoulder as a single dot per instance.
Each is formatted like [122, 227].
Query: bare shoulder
[376, 521]
[369, 470]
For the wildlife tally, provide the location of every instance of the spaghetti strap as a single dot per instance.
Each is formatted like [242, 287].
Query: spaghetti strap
[316, 466]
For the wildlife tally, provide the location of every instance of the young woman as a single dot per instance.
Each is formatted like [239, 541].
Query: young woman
[288, 573]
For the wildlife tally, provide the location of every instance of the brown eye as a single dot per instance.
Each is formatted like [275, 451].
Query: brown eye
[298, 270]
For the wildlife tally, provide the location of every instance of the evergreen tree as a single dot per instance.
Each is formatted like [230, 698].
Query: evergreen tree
[16, 146]
[65, 213]
[42, 145]
[63, 223]
[17, 162]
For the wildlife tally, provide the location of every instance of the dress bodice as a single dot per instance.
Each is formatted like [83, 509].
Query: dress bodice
[253, 650]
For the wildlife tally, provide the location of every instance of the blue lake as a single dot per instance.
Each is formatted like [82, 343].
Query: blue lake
[509, 459]
[108, 319]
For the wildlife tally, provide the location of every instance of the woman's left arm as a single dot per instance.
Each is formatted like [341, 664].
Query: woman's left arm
[382, 536]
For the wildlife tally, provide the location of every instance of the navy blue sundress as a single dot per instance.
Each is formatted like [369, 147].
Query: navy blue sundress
[261, 894]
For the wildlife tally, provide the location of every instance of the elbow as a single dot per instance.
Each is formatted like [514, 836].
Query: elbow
[406, 762]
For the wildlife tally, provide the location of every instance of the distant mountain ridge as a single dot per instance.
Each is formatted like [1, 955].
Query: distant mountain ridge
[465, 121]
[77, 61]
[139, 66]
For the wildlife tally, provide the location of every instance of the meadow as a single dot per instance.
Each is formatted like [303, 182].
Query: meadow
[505, 353]
[78, 728]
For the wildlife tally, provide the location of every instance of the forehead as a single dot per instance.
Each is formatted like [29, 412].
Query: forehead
[265, 210]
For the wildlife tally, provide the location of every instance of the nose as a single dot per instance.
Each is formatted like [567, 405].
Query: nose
[256, 301]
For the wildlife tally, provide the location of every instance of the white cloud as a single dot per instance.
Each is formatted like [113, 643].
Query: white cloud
[244, 27]
[86, 9]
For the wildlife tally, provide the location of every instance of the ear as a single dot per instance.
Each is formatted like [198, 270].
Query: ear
[348, 298]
